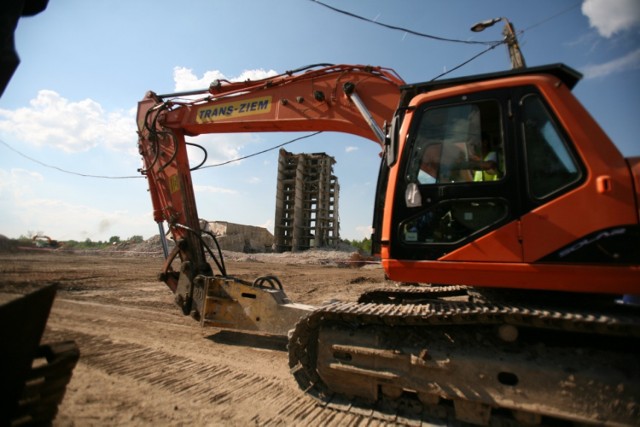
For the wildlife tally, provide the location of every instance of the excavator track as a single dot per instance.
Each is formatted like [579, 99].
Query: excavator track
[475, 363]
[410, 294]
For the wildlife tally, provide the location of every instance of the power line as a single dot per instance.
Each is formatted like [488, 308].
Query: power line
[64, 170]
[140, 176]
[493, 44]
[405, 30]
[261, 152]
[467, 61]
[520, 32]
[544, 21]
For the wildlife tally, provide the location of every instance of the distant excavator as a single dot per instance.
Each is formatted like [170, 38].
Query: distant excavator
[46, 242]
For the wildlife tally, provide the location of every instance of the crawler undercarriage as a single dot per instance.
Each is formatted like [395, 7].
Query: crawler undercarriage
[452, 354]
[442, 355]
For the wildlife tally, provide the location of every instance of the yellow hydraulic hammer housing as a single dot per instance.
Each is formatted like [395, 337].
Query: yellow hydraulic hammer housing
[261, 306]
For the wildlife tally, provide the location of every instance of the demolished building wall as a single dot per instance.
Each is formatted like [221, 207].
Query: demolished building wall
[306, 202]
[241, 238]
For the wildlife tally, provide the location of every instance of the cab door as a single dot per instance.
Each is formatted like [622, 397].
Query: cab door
[457, 181]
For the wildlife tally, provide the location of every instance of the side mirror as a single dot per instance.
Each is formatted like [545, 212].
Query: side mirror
[391, 151]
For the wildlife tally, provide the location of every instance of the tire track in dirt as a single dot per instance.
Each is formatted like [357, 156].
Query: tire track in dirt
[125, 345]
[143, 363]
[265, 401]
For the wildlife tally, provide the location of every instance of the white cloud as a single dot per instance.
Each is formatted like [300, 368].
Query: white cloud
[612, 16]
[65, 221]
[350, 149]
[18, 181]
[220, 147]
[254, 75]
[77, 126]
[631, 61]
[27, 210]
[186, 80]
[54, 121]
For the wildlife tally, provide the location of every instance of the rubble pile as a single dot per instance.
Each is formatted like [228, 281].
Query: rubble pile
[344, 255]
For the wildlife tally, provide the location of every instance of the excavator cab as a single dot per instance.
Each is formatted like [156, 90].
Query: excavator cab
[501, 174]
[449, 199]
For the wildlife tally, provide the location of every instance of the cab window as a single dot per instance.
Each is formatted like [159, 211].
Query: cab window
[452, 221]
[458, 144]
[550, 164]
[454, 145]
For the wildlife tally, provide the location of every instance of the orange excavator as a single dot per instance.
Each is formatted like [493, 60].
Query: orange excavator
[42, 241]
[498, 192]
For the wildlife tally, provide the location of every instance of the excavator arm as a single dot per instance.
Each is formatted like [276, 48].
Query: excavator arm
[351, 99]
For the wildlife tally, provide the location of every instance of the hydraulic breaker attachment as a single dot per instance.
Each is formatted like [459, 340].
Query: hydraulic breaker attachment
[261, 306]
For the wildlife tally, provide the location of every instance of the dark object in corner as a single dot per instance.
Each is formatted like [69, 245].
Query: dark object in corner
[10, 13]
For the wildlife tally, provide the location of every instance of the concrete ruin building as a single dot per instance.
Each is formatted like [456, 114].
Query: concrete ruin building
[306, 202]
[239, 237]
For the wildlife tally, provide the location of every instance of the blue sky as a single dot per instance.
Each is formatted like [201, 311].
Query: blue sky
[85, 65]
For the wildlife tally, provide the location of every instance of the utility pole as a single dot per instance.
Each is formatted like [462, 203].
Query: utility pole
[510, 37]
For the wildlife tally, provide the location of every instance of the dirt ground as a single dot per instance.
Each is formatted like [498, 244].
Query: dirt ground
[144, 363]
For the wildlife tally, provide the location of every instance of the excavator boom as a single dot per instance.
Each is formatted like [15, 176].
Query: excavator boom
[315, 99]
